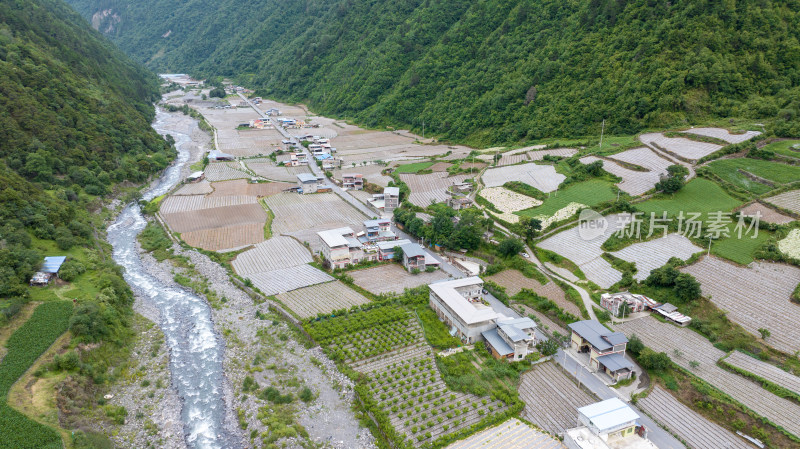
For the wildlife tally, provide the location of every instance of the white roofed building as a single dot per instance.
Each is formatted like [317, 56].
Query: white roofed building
[609, 424]
[341, 248]
[512, 339]
[459, 304]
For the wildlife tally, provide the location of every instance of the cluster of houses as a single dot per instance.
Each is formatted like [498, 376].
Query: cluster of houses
[639, 303]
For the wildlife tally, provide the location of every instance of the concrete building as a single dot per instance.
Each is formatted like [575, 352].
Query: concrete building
[459, 202]
[309, 183]
[459, 304]
[512, 339]
[606, 349]
[379, 230]
[341, 248]
[353, 181]
[387, 201]
[386, 249]
[416, 257]
[610, 424]
[670, 312]
[636, 303]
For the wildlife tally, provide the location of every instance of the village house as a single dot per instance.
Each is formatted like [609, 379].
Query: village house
[340, 247]
[379, 230]
[416, 258]
[606, 349]
[196, 176]
[462, 187]
[459, 304]
[353, 181]
[636, 303]
[216, 156]
[670, 312]
[309, 183]
[386, 249]
[49, 270]
[513, 338]
[609, 424]
[387, 201]
[459, 203]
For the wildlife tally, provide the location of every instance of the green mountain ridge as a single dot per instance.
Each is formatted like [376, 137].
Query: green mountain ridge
[485, 71]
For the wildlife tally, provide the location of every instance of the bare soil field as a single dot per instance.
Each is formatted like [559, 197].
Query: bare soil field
[302, 216]
[655, 253]
[228, 237]
[768, 214]
[514, 282]
[688, 425]
[224, 171]
[687, 149]
[217, 217]
[542, 177]
[248, 142]
[787, 200]
[392, 278]
[478, 165]
[507, 200]
[538, 155]
[764, 370]
[274, 254]
[358, 145]
[195, 188]
[755, 297]
[174, 204]
[692, 347]
[587, 254]
[512, 434]
[267, 169]
[723, 134]
[440, 167]
[241, 187]
[371, 172]
[552, 398]
[430, 187]
[307, 302]
[633, 182]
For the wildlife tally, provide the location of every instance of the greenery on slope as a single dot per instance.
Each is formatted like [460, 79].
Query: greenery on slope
[488, 70]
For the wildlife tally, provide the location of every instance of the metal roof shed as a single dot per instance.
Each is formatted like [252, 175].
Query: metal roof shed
[53, 264]
[607, 416]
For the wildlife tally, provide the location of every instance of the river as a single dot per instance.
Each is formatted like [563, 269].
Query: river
[196, 350]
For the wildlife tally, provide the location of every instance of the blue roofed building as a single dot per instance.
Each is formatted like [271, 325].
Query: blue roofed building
[49, 270]
[606, 349]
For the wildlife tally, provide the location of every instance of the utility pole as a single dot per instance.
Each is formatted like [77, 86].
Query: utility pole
[423, 130]
[602, 131]
[709, 246]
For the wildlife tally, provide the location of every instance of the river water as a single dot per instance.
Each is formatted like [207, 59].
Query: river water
[196, 351]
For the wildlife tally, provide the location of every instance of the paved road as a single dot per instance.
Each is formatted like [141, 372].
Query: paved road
[656, 434]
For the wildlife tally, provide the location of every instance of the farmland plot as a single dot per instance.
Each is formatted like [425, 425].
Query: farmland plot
[542, 177]
[274, 254]
[511, 159]
[284, 280]
[768, 214]
[391, 278]
[688, 425]
[645, 158]
[430, 187]
[225, 238]
[560, 152]
[195, 188]
[508, 200]
[764, 370]
[302, 216]
[512, 434]
[633, 182]
[324, 298]
[655, 253]
[552, 399]
[217, 217]
[692, 347]
[686, 149]
[175, 204]
[755, 297]
[440, 167]
[224, 171]
[477, 165]
[514, 281]
[249, 142]
[723, 134]
[267, 169]
[790, 245]
[587, 254]
[787, 200]
[241, 187]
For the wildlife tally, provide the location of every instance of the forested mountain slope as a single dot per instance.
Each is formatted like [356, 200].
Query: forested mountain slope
[485, 70]
[75, 118]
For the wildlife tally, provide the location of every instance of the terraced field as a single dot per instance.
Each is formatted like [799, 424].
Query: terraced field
[175, 204]
[392, 278]
[284, 280]
[542, 177]
[514, 281]
[430, 187]
[224, 171]
[788, 147]
[512, 434]
[508, 200]
[217, 217]
[229, 237]
[787, 200]
[723, 134]
[302, 216]
[440, 167]
[587, 254]
[688, 425]
[645, 158]
[755, 297]
[665, 337]
[698, 195]
[633, 182]
[195, 188]
[551, 398]
[689, 150]
[511, 159]
[734, 171]
[307, 302]
[764, 370]
[768, 214]
[655, 253]
[242, 187]
[590, 193]
[274, 254]
[538, 155]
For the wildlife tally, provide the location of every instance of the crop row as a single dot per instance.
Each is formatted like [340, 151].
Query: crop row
[326, 329]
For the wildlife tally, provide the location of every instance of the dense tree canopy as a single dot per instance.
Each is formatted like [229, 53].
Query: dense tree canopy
[489, 70]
